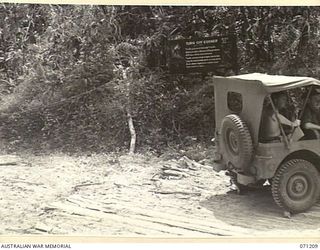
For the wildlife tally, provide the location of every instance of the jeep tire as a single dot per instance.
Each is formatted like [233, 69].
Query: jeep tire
[296, 185]
[236, 142]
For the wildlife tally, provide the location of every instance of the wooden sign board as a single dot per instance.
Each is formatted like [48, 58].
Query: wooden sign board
[207, 54]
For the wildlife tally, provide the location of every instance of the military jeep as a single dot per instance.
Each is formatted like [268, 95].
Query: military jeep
[291, 165]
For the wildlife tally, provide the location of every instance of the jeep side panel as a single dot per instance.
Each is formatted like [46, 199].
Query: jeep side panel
[269, 156]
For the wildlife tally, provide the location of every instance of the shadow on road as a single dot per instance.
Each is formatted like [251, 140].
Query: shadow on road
[257, 210]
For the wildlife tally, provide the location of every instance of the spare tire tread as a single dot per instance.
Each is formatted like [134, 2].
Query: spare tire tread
[246, 146]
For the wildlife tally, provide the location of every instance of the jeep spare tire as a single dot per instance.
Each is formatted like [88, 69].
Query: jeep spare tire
[236, 142]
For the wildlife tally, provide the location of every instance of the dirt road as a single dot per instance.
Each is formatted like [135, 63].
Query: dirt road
[135, 196]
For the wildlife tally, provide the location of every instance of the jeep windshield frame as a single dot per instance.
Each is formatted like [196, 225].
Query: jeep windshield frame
[284, 136]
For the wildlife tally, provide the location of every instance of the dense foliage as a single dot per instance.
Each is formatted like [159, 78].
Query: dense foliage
[70, 74]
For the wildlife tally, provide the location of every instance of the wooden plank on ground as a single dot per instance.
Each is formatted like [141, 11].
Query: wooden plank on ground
[212, 226]
[173, 230]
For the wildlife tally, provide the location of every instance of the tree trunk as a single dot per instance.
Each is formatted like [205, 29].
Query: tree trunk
[132, 130]
[132, 133]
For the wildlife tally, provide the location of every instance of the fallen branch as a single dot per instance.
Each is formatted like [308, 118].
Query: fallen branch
[166, 166]
[180, 170]
[86, 184]
[195, 164]
[21, 181]
[9, 160]
[174, 173]
[87, 205]
[9, 164]
[176, 192]
[43, 228]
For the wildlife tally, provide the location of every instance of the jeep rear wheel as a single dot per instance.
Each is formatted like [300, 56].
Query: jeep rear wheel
[236, 144]
[296, 185]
